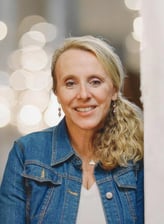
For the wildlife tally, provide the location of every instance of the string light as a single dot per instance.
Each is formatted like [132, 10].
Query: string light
[137, 27]
[30, 79]
[33, 58]
[30, 115]
[28, 21]
[5, 115]
[3, 30]
[34, 38]
[18, 79]
[39, 80]
[38, 98]
[4, 78]
[49, 30]
[133, 4]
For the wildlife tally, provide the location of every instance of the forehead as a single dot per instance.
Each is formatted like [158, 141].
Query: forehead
[76, 51]
[75, 57]
[78, 59]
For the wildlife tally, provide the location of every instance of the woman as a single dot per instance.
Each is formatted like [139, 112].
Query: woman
[87, 169]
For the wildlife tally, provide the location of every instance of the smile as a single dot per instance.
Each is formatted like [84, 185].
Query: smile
[84, 109]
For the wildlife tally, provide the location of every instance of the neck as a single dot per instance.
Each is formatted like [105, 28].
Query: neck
[83, 146]
[82, 143]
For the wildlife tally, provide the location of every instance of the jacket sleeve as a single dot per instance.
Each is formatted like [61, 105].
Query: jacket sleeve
[12, 190]
[140, 193]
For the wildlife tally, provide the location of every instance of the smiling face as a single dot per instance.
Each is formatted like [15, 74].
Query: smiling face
[83, 89]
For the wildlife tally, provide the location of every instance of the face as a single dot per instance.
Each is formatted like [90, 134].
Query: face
[84, 90]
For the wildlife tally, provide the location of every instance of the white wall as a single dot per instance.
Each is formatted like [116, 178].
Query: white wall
[152, 79]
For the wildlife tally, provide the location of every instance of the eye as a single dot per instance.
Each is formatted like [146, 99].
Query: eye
[95, 82]
[70, 83]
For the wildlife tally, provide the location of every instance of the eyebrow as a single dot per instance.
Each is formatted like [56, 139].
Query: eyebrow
[90, 75]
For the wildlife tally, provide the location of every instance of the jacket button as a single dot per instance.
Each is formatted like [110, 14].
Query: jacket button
[109, 195]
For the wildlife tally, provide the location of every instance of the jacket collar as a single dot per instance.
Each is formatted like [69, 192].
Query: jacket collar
[61, 146]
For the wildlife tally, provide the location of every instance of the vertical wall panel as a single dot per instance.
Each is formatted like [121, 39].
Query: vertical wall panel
[152, 84]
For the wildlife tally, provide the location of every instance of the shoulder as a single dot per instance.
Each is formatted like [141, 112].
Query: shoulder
[130, 175]
[39, 136]
[35, 145]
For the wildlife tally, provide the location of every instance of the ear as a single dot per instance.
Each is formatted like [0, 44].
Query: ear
[115, 95]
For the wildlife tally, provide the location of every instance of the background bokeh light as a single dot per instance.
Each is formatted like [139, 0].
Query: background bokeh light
[5, 115]
[26, 99]
[28, 75]
[29, 35]
[3, 30]
[34, 38]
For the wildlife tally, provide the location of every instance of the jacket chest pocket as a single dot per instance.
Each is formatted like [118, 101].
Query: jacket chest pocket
[41, 183]
[126, 190]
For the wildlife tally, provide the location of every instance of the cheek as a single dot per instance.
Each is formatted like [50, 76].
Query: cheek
[106, 96]
[64, 97]
[106, 101]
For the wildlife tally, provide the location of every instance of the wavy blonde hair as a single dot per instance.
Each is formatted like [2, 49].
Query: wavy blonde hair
[121, 138]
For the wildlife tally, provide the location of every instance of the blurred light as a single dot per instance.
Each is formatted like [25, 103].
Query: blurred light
[14, 60]
[28, 22]
[137, 27]
[132, 45]
[4, 78]
[49, 30]
[132, 61]
[39, 80]
[3, 30]
[18, 79]
[34, 58]
[26, 129]
[133, 4]
[38, 98]
[14, 113]
[7, 96]
[51, 117]
[32, 38]
[30, 115]
[5, 115]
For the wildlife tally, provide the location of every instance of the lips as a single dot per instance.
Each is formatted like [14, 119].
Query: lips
[84, 109]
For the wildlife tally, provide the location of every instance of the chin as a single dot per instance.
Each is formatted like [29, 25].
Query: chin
[89, 127]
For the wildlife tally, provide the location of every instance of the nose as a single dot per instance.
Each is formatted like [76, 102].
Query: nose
[83, 92]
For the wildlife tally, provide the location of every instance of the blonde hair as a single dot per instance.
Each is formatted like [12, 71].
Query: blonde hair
[101, 49]
[121, 139]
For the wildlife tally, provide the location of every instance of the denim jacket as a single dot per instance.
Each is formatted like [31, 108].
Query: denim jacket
[43, 177]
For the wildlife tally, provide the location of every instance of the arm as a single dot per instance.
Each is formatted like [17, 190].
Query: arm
[12, 191]
[140, 195]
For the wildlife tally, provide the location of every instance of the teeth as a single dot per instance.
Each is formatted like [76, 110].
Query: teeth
[86, 109]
